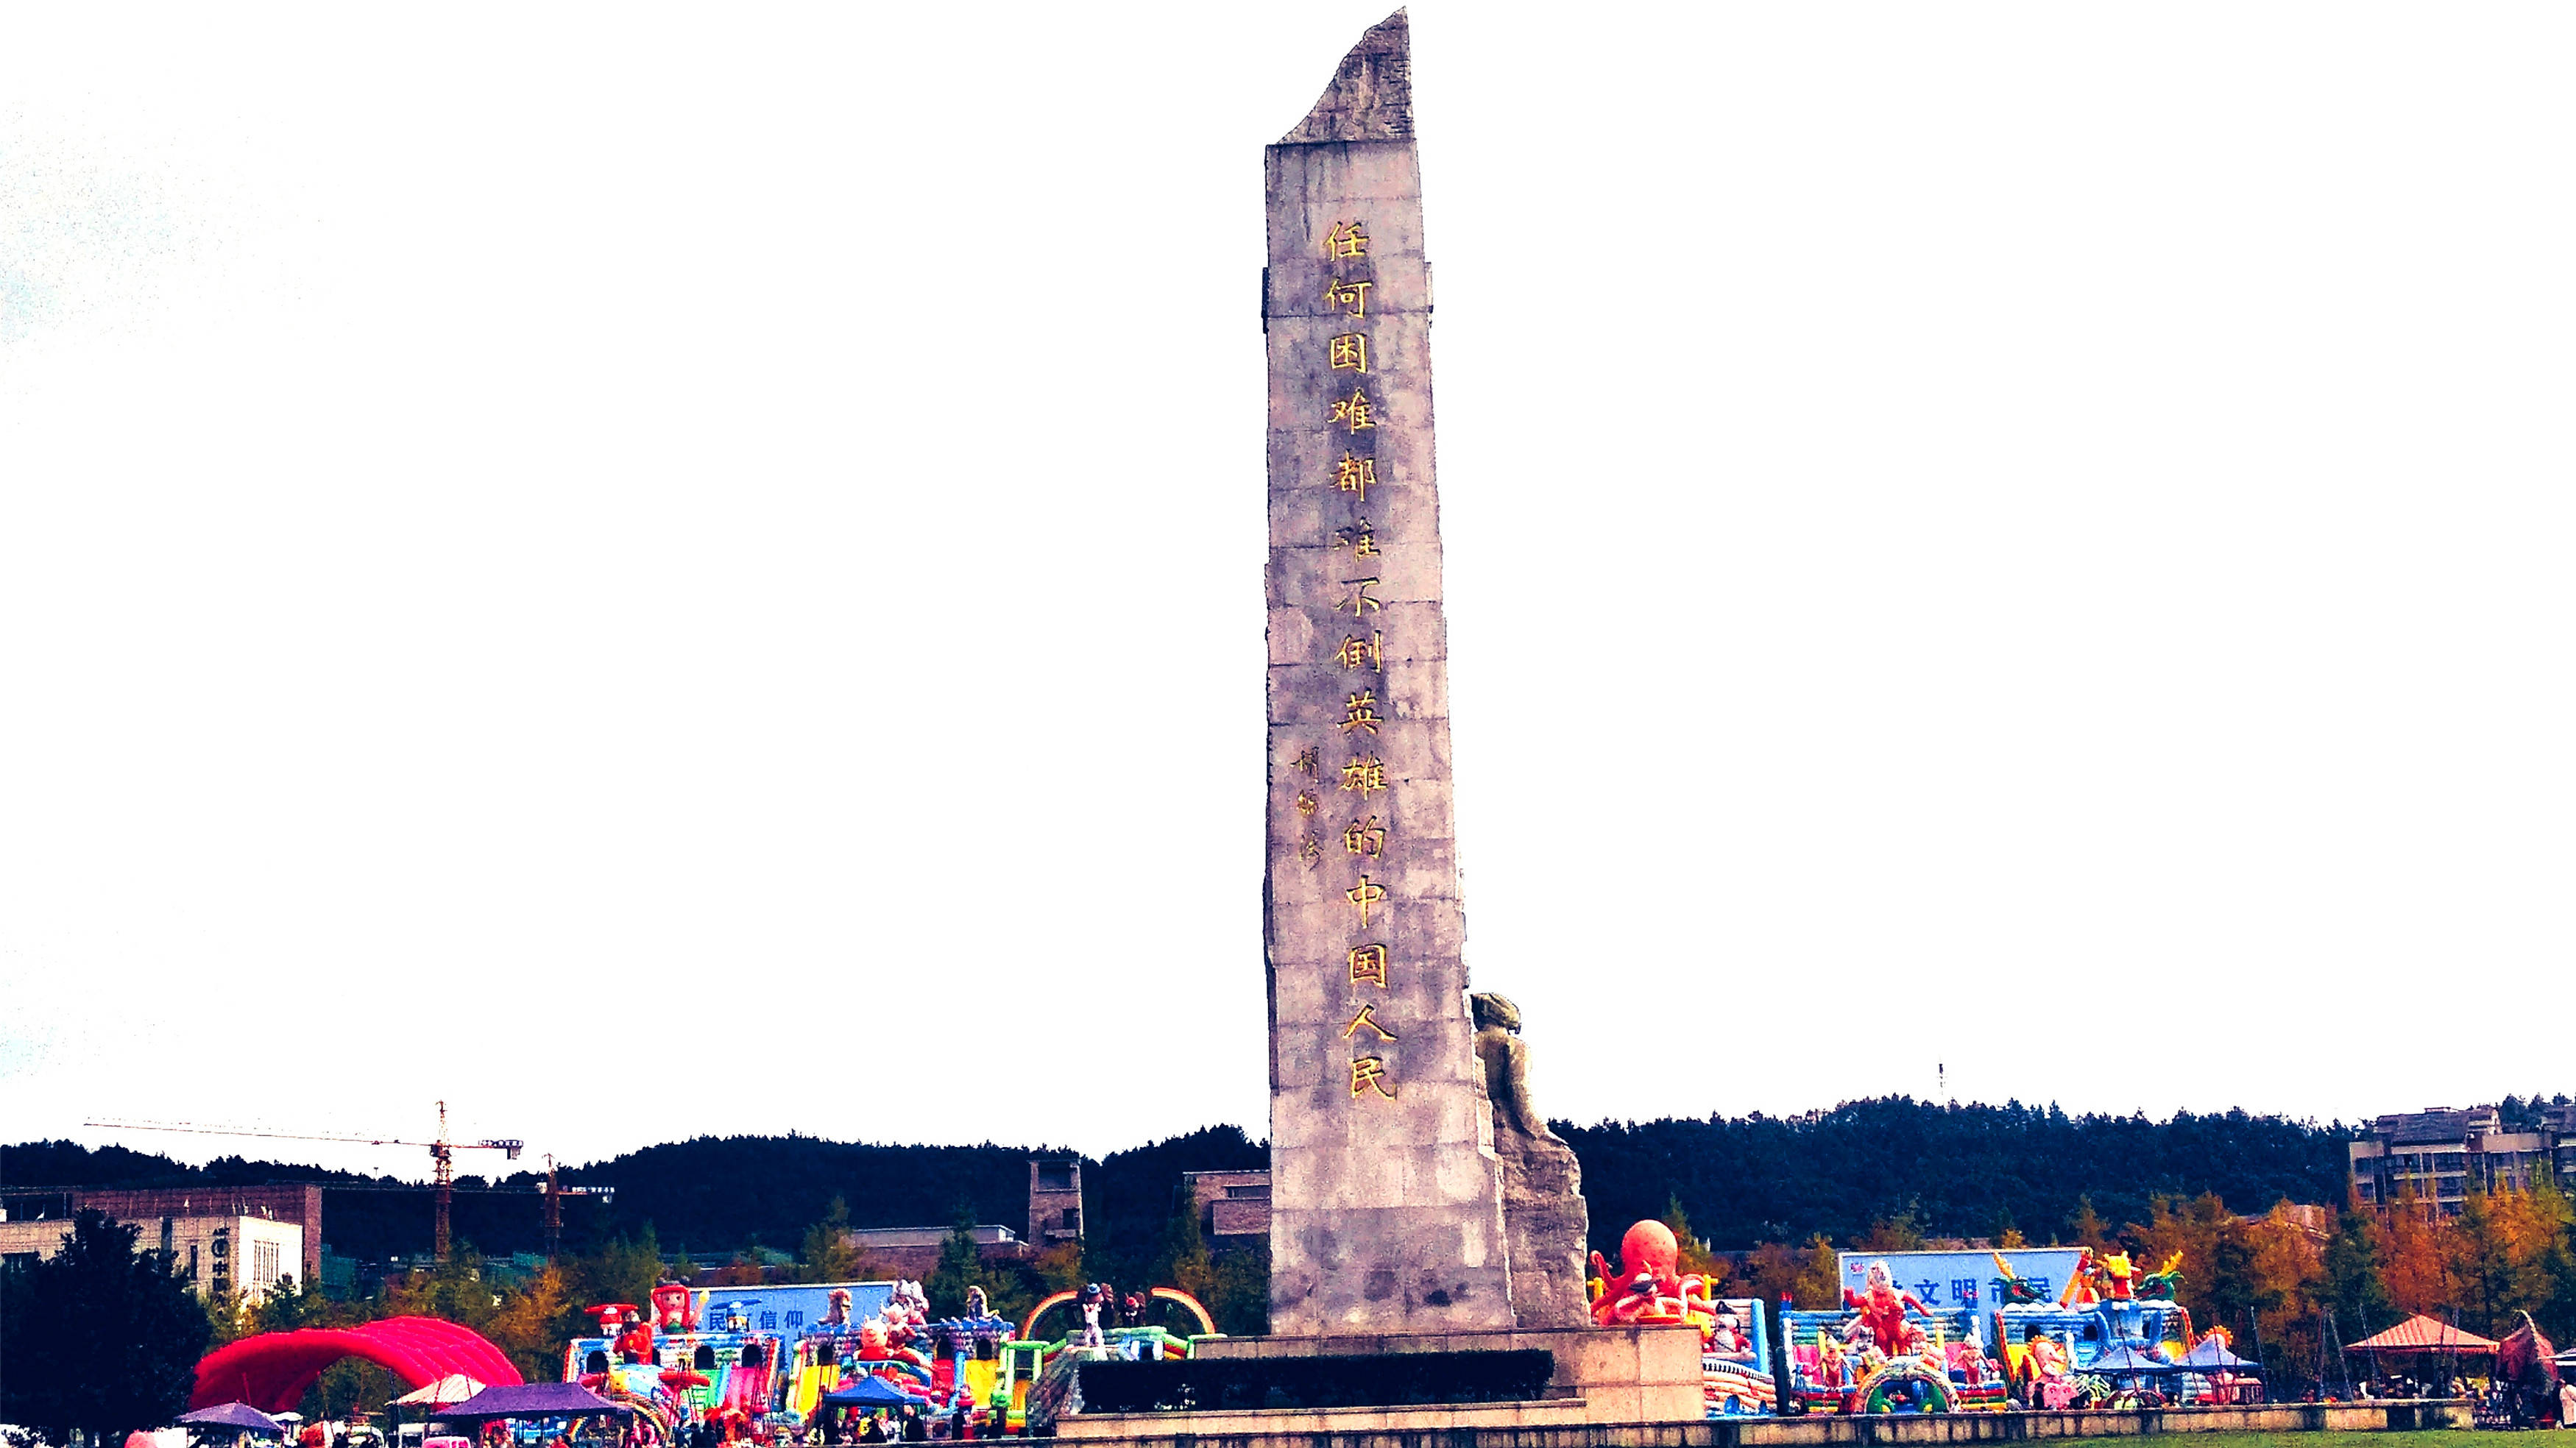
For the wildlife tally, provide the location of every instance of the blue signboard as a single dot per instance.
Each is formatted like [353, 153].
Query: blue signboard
[793, 1311]
[1950, 1281]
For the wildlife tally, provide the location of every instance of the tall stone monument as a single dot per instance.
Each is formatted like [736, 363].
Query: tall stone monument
[1387, 1196]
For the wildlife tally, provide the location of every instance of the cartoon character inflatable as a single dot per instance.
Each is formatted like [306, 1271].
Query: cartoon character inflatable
[2048, 1376]
[1882, 1306]
[877, 1345]
[674, 1309]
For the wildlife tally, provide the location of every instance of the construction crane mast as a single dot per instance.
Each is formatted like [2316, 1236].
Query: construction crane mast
[442, 1154]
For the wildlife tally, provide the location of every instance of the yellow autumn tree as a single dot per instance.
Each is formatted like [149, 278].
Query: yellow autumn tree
[2414, 1257]
[1694, 1256]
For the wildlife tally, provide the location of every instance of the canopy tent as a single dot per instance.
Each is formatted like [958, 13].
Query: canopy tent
[532, 1400]
[2423, 1334]
[2212, 1356]
[453, 1388]
[2126, 1359]
[869, 1392]
[241, 1417]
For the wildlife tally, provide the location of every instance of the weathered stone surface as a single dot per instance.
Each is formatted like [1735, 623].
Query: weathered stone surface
[1544, 1216]
[1386, 1195]
[1371, 97]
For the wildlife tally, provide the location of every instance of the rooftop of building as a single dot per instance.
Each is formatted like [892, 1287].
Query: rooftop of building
[985, 1236]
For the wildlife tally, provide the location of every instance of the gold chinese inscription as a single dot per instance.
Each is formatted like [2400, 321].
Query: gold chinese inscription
[1305, 803]
[1354, 295]
[1355, 475]
[1348, 240]
[1310, 850]
[1357, 651]
[1359, 598]
[1349, 352]
[1364, 774]
[1364, 837]
[1360, 712]
[1368, 965]
[1354, 410]
[1367, 1017]
[1361, 540]
[1304, 763]
[1370, 1072]
[1365, 894]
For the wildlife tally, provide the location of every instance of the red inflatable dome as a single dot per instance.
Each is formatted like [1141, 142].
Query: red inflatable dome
[271, 1371]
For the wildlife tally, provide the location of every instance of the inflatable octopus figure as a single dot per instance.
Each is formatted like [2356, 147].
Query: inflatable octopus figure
[1652, 1289]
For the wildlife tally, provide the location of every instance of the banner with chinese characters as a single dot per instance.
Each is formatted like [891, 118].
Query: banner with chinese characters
[1947, 1281]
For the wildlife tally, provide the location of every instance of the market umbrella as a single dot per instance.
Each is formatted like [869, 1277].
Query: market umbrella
[241, 1417]
[869, 1392]
[532, 1400]
[453, 1388]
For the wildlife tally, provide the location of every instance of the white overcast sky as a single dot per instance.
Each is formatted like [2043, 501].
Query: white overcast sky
[651, 571]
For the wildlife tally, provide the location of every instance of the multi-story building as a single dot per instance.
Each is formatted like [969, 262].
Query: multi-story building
[2436, 1156]
[912, 1252]
[297, 1202]
[215, 1255]
[1233, 1206]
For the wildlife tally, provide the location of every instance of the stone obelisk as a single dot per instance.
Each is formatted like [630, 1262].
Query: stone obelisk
[1386, 1196]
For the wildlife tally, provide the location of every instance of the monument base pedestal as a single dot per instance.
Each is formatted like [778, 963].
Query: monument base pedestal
[1602, 1375]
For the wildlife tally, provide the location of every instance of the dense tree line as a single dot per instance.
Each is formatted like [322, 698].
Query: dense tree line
[710, 1196]
[1949, 1170]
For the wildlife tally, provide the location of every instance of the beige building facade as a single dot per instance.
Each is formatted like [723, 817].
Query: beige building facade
[213, 1255]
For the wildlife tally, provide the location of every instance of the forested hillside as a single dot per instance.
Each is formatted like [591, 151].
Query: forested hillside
[1949, 1171]
[1944, 1170]
[709, 1197]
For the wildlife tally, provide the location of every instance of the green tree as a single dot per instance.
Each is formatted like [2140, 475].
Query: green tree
[1890, 1234]
[1771, 1272]
[626, 1270]
[958, 1267]
[2554, 1262]
[1819, 1283]
[99, 1337]
[2087, 1224]
[225, 1320]
[1183, 1261]
[454, 1290]
[2354, 1284]
[1060, 1268]
[2492, 1282]
[1695, 1256]
[828, 1254]
[285, 1307]
[1241, 1299]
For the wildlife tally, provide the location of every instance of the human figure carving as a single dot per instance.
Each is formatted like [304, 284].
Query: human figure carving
[1506, 1058]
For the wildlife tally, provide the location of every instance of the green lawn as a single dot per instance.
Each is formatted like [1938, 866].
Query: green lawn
[2407, 1438]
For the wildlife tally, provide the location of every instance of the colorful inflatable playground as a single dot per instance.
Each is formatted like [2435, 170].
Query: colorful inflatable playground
[821, 1359]
[1916, 1332]
[1940, 1332]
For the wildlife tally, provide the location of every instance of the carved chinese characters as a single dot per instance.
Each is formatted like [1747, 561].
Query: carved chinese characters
[1386, 1205]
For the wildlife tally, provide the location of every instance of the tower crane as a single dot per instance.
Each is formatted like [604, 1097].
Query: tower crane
[442, 1152]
